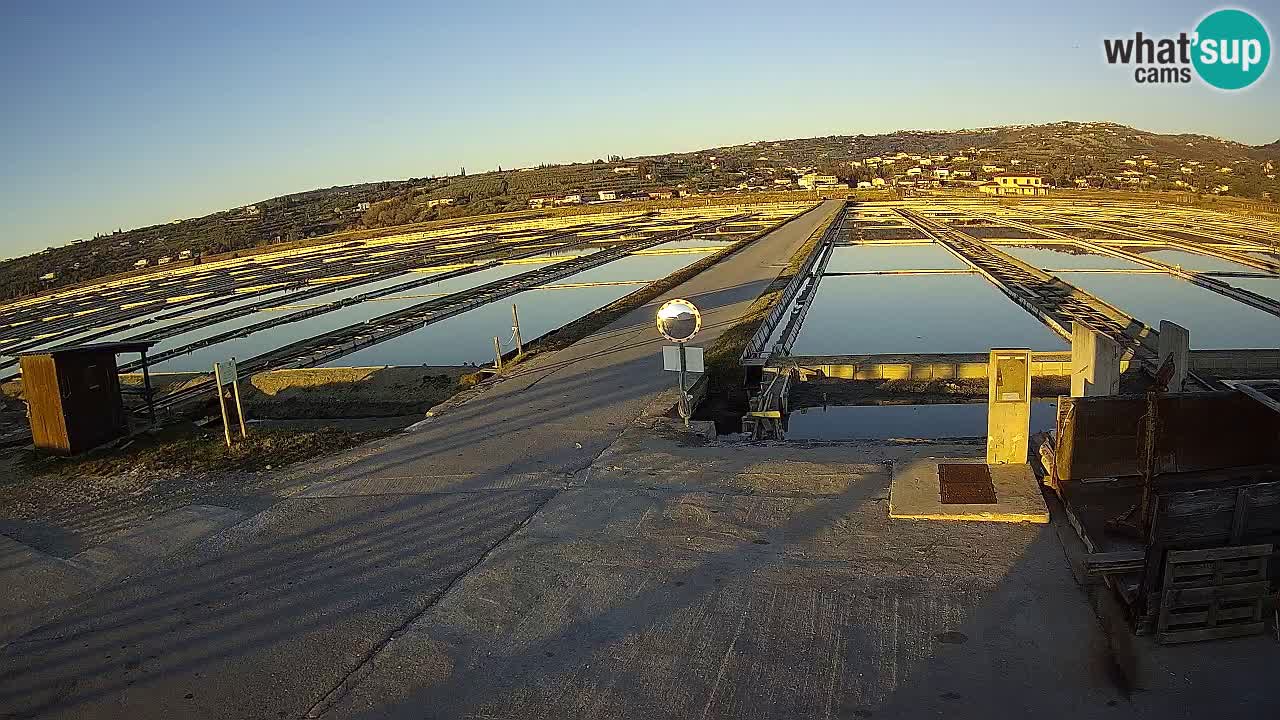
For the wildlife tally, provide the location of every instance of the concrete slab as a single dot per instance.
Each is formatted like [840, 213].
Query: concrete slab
[162, 535]
[37, 588]
[261, 621]
[30, 581]
[914, 494]
[633, 602]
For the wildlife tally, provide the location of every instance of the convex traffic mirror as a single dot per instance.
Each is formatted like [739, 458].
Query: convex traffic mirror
[679, 320]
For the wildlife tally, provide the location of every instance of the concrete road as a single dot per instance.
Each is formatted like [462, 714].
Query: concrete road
[281, 615]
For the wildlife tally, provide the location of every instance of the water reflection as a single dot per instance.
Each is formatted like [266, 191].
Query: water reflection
[1069, 256]
[880, 422]
[1215, 321]
[914, 314]
[1266, 287]
[464, 338]
[893, 257]
[1193, 261]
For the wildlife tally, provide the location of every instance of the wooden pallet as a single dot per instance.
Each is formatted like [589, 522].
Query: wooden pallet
[1214, 593]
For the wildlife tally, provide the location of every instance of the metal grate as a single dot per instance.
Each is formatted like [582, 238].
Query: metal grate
[965, 484]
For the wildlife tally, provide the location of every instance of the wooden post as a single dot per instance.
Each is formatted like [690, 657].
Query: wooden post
[235, 388]
[222, 405]
[147, 393]
[1149, 462]
[515, 330]
[497, 353]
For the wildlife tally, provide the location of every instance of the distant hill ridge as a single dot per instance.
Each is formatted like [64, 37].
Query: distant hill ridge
[1099, 154]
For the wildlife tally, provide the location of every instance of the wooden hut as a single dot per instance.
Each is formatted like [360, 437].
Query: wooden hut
[73, 394]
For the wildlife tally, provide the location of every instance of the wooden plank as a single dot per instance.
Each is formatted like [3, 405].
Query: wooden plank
[1240, 514]
[43, 394]
[1120, 561]
[1258, 396]
[1242, 612]
[1221, 553]
[1214, 633]
[1181, 597]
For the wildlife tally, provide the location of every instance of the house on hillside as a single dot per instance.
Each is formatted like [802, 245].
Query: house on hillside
[1014, 184]
[607, 195]
[815, 181]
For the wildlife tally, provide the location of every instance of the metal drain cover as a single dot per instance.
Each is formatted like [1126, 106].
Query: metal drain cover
[965, 484]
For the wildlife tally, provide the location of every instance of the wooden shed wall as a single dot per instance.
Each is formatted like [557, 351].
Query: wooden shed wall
[44, 401]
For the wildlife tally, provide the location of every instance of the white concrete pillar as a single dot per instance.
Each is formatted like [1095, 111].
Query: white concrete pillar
[1008, 406]
[1175, 340]
[1095, 362]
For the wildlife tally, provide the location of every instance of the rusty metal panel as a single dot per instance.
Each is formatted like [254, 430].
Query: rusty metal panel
[965, 484]
[1101, 436]
[44, 402]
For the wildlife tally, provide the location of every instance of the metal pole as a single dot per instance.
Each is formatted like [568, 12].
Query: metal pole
[235, 388]
[515, 330]
[222, 406]
[684, 398]
[146, 389]
[497, 353]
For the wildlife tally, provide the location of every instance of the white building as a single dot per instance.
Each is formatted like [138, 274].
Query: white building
[814, 180]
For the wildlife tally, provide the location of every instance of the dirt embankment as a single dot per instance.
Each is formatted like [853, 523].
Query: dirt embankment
[62, 505]
[351, 392]
[820, 392]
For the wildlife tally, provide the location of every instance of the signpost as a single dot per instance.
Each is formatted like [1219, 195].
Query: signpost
[679, 321]
[226, 374]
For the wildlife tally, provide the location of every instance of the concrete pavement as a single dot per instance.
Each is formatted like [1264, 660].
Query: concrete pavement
[274, 616]
[553, 549]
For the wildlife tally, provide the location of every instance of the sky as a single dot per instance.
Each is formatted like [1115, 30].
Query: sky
[125, 114]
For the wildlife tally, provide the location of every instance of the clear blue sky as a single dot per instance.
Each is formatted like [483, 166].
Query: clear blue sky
[121, 114]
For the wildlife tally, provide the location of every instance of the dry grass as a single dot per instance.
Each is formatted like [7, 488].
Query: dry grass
[185, 448]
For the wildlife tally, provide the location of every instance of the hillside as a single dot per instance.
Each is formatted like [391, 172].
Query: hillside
[1097, 155]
